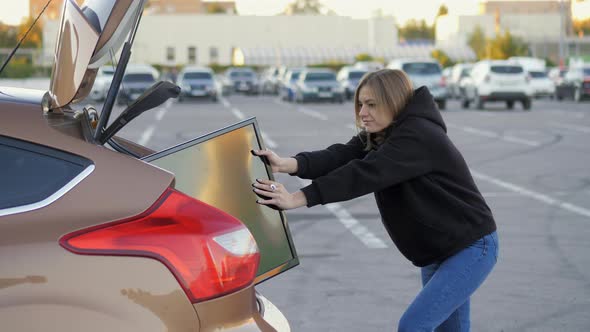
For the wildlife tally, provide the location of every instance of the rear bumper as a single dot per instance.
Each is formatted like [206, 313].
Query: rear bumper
[244, 310]
[504, 96]
[323, 95]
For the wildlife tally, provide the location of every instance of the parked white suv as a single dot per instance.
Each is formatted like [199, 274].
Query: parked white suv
[497, 80]
[103, 80]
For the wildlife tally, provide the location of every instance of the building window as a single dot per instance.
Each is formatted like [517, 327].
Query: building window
[213, 55]
[170, 54]
[192, 55]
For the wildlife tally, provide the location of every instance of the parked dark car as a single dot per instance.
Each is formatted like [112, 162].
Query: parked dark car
[575, 84]
[241, 80]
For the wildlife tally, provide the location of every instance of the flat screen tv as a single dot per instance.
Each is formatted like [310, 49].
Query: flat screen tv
[219, 169]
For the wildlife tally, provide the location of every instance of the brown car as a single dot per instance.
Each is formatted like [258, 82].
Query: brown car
[96, 239]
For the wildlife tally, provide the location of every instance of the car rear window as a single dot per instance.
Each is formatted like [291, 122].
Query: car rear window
[356, 75]
[320, 77]
[243, 74]
[131, 78]
[295, 75]
[197, 76]
[537, 74]
[31, 173]
[421, 68]
[506, 69]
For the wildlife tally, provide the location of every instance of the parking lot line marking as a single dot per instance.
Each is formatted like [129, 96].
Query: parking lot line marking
[146, 135]
[491, 134]
[312, 113]
[360, 231]
[532, 194]
[357, 229]
[582, 129]
[225, 102]
[162, 111]
[520, 140]
[269, 142]
[480, 132]
[238, 113]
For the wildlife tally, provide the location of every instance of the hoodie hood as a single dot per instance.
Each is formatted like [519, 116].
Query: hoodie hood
[421, 105]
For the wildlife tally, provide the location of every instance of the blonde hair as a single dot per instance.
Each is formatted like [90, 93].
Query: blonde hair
[392, 89]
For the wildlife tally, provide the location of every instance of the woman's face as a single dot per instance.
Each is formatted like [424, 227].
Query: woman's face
[374, 117]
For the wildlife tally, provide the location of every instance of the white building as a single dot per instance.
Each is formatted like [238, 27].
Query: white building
[532, 28]
[181, 39]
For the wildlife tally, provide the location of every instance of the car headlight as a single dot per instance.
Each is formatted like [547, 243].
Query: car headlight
[338, 89]
[185, 87]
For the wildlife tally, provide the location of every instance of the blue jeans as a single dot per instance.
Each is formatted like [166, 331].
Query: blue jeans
[443, 302]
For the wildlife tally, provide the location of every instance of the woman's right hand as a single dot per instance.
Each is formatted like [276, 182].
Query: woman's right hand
[277, 164]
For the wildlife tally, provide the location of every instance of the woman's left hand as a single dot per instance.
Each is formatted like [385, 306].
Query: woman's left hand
[277, 195]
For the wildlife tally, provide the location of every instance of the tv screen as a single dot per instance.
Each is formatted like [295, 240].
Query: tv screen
[219, 169]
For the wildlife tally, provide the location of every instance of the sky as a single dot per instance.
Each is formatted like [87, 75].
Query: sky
[12, 11]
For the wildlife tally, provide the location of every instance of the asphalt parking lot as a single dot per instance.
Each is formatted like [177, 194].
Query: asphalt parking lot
[532, 167]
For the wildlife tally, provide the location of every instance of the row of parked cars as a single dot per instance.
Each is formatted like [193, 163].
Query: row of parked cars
[508, 81]
[516, 79]
[194, 82]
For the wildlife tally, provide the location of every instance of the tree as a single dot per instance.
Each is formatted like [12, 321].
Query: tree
[304, 7]
[478, 43]
[442, 11]
[363, 57]
[215, 8]
[416, 30]
[582, 27]
[442, 58]
[505, 45]
[34, 38]
[7, 36]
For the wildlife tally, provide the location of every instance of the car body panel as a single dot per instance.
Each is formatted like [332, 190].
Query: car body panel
[46, 287]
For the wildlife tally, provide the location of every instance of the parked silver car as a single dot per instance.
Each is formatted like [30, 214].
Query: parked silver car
[197, 82]
[426, 72]
[241, 79]
[349, 78]
[318, 84]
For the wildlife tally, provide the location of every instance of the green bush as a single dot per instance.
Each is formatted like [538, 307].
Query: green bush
[18, 70]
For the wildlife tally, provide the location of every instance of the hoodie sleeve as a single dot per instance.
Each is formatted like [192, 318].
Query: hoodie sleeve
[403, 156]
[311, 165]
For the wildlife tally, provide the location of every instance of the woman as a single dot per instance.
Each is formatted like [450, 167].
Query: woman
[426, 196]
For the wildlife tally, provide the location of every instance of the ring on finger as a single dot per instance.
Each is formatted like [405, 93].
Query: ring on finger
[273, 187]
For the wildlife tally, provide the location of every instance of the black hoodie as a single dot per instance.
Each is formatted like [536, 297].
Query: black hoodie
[427, 198]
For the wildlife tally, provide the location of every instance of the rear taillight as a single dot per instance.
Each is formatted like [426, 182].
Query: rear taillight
[209, 252]
[443, 82]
